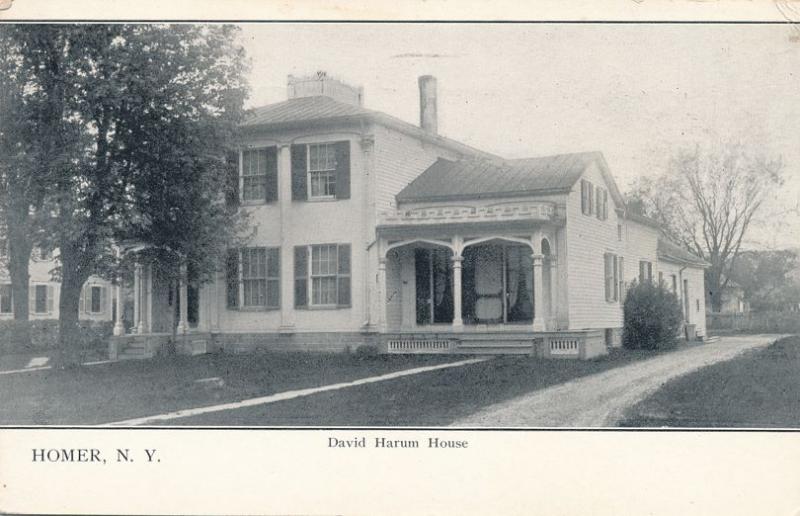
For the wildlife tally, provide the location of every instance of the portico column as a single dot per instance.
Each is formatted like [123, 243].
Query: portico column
[382, 293]
[458, 323]
[538, 320]
[183, 322]
[138, 294]
[553, 292]
[287, 324]
[119, 327]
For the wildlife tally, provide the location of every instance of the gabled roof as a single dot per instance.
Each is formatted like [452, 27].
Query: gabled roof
[474, 179]
[672, 252]
[321, 109]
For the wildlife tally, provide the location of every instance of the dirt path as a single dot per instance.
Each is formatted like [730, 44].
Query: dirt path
[600, 400]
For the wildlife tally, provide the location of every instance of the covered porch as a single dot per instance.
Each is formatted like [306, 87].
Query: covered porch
[470, 269]
[163, 309]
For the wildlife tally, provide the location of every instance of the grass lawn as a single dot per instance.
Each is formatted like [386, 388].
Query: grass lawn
[131, 389]
[434, 398]
[135, 388]
[761, 388]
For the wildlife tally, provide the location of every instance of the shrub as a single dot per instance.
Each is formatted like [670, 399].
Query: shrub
[652, 316]
[366, 351]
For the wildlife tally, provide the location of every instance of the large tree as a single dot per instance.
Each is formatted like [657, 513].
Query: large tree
[30, 150]
[147, 114]
[707, 199]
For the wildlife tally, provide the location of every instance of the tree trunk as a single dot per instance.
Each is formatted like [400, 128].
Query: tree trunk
[19, 255]
[69, 332]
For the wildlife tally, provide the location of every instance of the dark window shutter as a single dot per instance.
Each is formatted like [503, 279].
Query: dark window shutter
[271, 186]
[342, 169]
[299, 171]
[584, 202]
[300, 277]
[343, 275]
[232, 179]
[232, 278]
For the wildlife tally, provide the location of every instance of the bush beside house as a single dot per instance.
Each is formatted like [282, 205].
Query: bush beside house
[652, 317]
[44, 335]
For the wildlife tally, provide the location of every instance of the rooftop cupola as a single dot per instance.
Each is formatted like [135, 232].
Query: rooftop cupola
[320, 84]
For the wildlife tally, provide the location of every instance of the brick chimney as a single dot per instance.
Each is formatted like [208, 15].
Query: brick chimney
[320, 84]
[427, 104]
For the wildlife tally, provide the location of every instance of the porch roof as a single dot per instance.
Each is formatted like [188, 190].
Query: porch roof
[474, 179]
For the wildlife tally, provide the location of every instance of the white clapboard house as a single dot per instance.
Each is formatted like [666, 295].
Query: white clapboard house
[372, 230]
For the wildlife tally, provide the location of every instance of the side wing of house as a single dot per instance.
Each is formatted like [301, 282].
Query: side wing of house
[641, 257]
[43, 294]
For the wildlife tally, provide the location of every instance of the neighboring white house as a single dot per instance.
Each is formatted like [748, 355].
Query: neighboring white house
[369, 229]
[43, 293]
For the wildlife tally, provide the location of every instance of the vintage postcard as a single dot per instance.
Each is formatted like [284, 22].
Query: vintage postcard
[255, 264]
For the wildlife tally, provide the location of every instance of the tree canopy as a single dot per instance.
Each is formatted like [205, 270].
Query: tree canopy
[145, 117]
[707, 198]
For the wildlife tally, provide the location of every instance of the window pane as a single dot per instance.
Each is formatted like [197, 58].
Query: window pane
[5, 299]
[95, 299]
[41, 299]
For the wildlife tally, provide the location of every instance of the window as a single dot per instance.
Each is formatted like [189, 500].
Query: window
[612, 266]
[619, 232]
[95, 304]
[94, 299]
[326, 280]
[645, 271]
[587, 197]
[674, 284]
[253, 277]
[260, 277]
[697, 301]
[260, 174]
[6, 306]
[42, 299]
[660, 278]
[322, 170]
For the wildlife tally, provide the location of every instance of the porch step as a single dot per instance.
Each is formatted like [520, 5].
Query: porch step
[494, 347]
[710, 340]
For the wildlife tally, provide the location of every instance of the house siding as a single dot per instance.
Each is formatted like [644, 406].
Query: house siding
[641, 244]
[588, 238]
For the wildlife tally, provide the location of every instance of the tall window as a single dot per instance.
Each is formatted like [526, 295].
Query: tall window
[6, 306]
[40, 303]
[322, 275]
[612, 266]
[254, 277]
[322, 170]
[674, 284]
[645, 271]
[254, 174]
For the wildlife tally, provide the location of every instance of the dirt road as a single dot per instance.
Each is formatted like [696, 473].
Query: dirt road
[600, 400]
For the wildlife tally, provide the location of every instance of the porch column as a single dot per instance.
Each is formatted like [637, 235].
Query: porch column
[138, 297]
[553, 292]
[458, 323]
[382, 293]
[183, 322]
[538, 316]
[119, 327]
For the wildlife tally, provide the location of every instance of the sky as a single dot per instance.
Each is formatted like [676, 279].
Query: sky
[635, 92]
